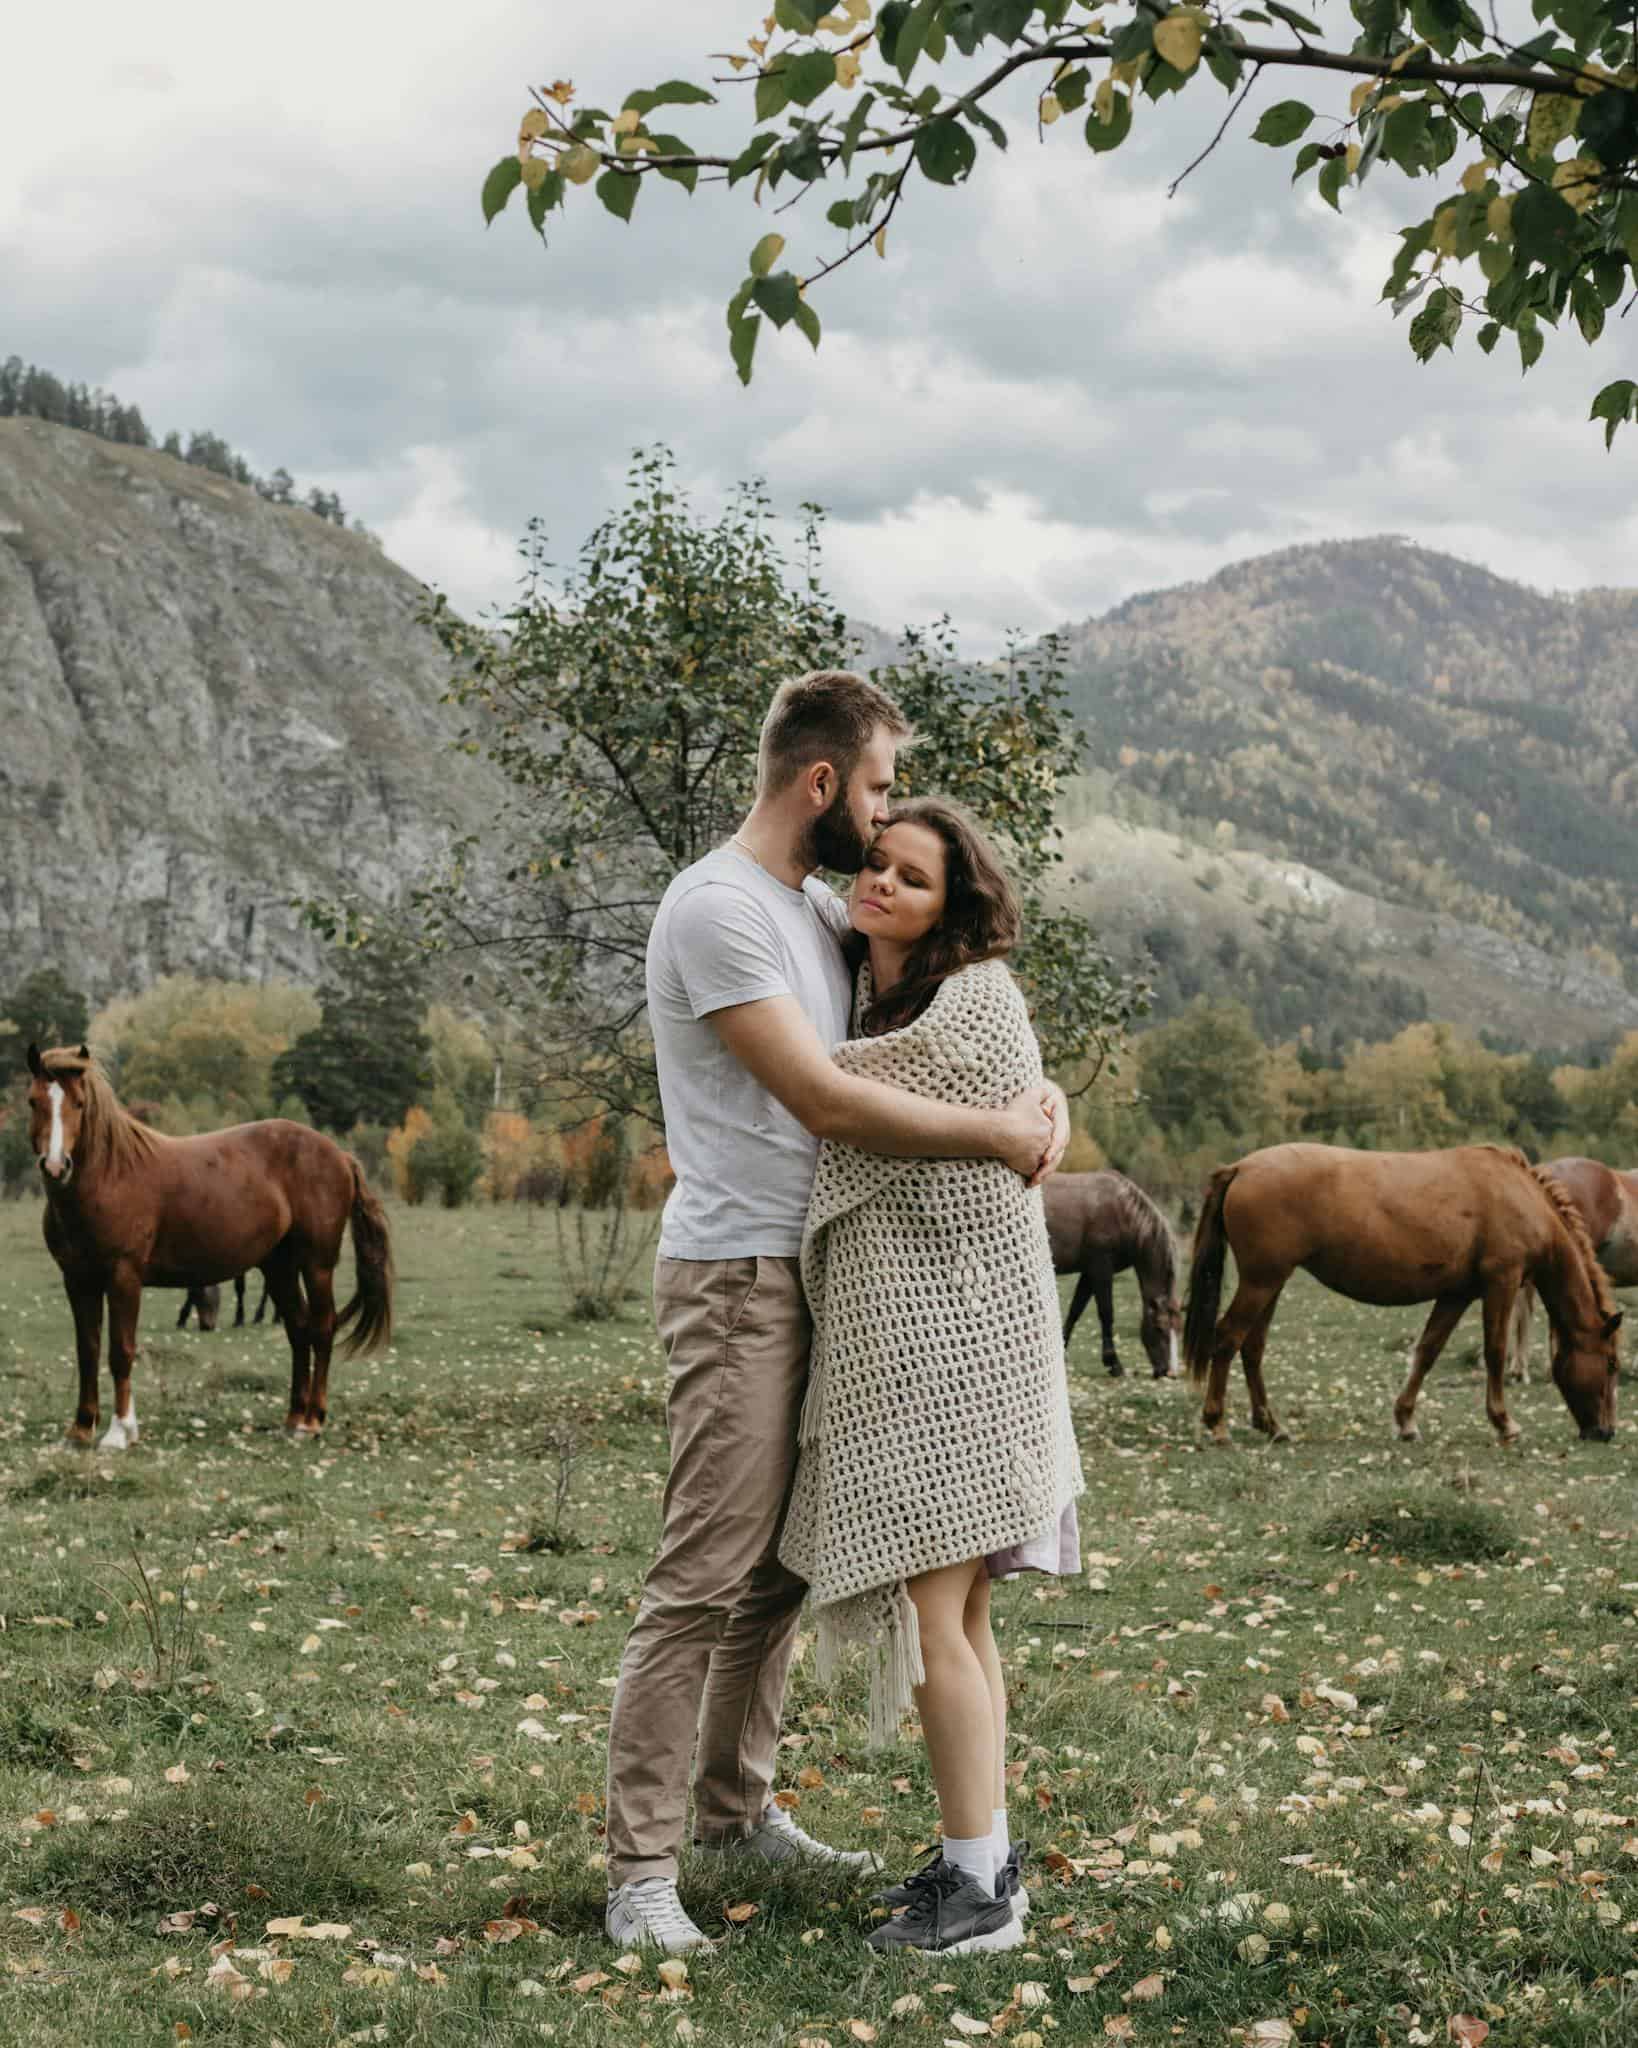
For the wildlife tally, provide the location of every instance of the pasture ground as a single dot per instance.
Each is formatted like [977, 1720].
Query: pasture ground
[1337, 1738]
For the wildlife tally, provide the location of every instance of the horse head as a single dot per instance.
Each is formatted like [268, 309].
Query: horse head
[56, 1108]
[1586, 1367]
[1161, 1330]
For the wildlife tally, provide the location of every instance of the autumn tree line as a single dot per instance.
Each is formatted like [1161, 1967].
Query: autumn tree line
[444, 1107]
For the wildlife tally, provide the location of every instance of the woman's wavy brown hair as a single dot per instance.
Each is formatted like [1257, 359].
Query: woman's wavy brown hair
[980, 921]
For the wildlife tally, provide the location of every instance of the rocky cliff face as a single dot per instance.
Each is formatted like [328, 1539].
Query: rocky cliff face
[211, 704]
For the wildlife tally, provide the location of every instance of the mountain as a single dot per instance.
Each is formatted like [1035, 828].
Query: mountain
[212, 703]
[1357, 783]
[1420, 732]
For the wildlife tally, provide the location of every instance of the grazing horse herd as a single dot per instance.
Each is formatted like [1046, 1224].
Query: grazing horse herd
[127, 1207]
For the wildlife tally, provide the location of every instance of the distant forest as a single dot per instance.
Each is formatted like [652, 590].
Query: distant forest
[28, 392]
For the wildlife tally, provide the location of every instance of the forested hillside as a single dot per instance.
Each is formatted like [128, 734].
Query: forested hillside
[1413, 726]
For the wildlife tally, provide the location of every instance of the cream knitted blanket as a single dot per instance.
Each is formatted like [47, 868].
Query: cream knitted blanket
[936, 1427]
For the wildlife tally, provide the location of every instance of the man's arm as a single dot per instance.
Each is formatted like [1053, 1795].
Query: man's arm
[775, 1041]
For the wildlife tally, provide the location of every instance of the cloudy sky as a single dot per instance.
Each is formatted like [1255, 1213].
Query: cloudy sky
[1061, 386]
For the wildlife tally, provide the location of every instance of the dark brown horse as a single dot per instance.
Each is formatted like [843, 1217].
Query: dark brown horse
[1101, 1224]
[127, 1208]
[1470, 1224]
[1608, 1204]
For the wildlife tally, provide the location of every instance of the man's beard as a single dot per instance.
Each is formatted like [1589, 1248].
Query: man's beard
[833, 841]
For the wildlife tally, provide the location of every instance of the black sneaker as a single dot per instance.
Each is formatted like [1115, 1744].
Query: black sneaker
[897, 1896]
[1009, 1883]
[950, 1913]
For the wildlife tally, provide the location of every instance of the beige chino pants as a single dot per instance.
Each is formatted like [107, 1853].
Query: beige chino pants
[704, 1669]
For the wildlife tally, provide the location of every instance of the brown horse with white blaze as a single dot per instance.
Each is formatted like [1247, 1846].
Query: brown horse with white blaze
[128, 1208]
[1392, 1228]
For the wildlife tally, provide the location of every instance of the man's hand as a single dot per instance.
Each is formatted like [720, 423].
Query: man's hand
[1027, 1135]
[1056, 1104]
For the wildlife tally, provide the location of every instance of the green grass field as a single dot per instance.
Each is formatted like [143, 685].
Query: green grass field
[1334, 1739]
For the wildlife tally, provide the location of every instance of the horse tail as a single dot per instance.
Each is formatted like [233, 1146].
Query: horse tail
[370, 1310]
[1206, 1275]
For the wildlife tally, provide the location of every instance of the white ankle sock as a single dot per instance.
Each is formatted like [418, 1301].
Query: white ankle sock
[975, 1855]
[1000, 1838]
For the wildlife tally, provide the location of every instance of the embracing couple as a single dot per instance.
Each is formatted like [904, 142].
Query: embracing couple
[867, 1402]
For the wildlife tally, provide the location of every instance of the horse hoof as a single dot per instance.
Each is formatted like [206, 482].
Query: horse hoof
[1114, 1368]
[1411, 1435]
[1279, 1436]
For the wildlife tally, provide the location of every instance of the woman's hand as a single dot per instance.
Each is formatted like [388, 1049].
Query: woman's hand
[1026, 1135]
[1056, 1104]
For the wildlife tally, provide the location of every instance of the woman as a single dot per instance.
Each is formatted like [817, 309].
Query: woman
[937, 1450]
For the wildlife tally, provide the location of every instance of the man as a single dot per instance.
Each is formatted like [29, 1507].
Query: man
[747, 992]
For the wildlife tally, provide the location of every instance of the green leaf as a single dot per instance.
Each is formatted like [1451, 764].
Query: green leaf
[1609, 276]
[912, 38]
[1437, 324]
[1545, 227]
[945, 151]
[766, 254]
[1588, 308]
[840, 215]
[742, 345]
[1282, 123]
[1110, 134]
[750, 158]
[1488, 335]
[686, 175]
[618, 192]
[772, 92]
[1438, 23]
[1609, 125]
[801, 17]
[1407, 138]
[1070, 90]
[1531, 340]
[547, 194]
[807, 76]
[853, 133]
[676, 92]
[890, 20]
[807, 320]
[1331, 181]
[1307, 157]
[1292, 17]
[778, 296]
[1133, 41]
[499, 186]
[1224, 65]
[1615, 404]
[1495, 260]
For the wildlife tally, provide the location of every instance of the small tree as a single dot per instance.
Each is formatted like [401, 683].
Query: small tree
[366, 1061]
[447, 1160]
[624, 705]
[43, 1009]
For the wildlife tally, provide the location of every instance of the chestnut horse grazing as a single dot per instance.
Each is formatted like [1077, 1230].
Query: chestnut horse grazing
[1100, 1224]
[127, 1208]
[1470, 1224]
[1608, 1204]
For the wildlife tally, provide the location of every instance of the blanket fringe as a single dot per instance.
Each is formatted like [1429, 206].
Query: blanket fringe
[894, 1652]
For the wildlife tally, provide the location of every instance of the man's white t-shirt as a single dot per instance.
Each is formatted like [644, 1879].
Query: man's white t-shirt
[728, 932]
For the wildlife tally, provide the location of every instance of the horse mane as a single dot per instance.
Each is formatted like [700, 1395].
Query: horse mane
[1570, 1216]
[1150, 1230]
[110, 1138]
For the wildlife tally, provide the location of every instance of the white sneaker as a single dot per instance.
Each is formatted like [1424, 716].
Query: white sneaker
[777, 1839]
[647, 1913]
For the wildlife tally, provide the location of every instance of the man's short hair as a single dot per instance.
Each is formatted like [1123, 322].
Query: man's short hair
[830, 714]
